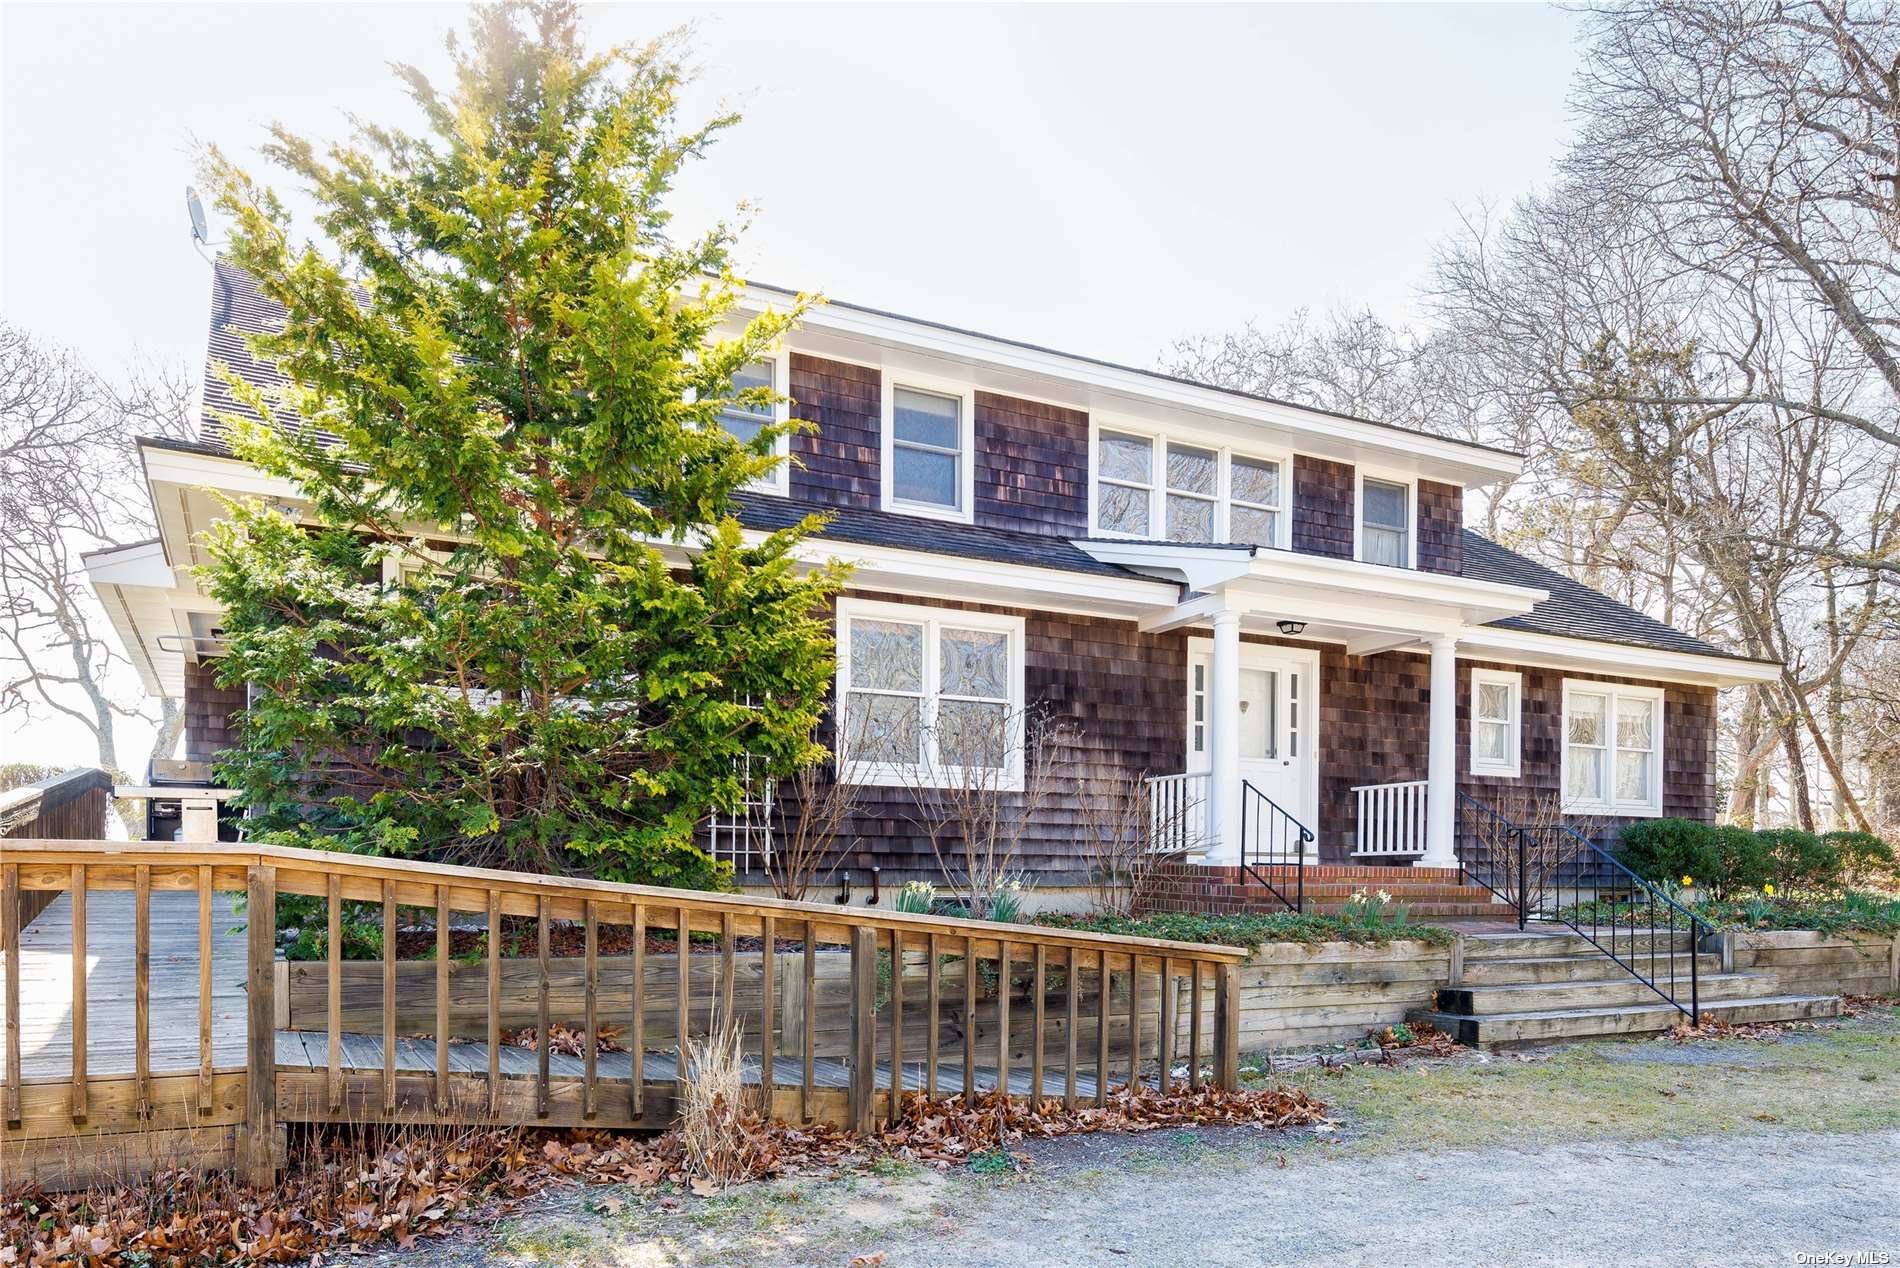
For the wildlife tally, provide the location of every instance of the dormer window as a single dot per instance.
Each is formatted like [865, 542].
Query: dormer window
[1385, 523]
[1170, 490]
[927, 459]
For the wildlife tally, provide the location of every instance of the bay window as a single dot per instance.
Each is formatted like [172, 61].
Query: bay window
[1612, 748]
[928, 695]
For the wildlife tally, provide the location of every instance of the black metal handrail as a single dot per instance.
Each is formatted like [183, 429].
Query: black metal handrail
[1535, 868]
[1265, 830]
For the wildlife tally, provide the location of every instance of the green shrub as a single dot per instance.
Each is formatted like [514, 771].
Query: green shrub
[1864, 856]
[1663, 851]
[1801, 860]
[1741, 861]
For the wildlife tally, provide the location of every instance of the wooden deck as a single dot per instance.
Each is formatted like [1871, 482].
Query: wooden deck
[46, 971]
[46, 995]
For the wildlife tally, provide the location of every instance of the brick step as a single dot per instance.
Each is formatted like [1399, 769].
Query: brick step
[1357, 873]
[1584, 1023]
[1594, 966]
[1545, 997]
[1426, 911]
[1402, 893]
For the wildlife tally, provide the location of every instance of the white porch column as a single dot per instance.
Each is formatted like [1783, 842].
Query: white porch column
[1441, 769]
[1223, 743]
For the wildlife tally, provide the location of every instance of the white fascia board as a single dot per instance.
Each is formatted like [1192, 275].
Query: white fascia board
[141, 564]
[214, 471]
[1553, 651]
[1495, 597]
[1471, 465]
[139, 615]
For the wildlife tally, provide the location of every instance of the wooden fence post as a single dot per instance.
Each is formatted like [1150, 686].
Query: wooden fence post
[257, 1138]
[1227, 1027]
[863, 1027]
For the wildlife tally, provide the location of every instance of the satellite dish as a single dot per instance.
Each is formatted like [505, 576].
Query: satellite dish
[199, 233]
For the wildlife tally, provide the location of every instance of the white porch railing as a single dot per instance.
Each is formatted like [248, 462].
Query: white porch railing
[1391, 819]
[1177, 812]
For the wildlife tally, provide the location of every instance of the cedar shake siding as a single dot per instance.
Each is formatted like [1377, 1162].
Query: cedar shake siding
[836, 464]
[1322, 507]
[1375, 728]
[211, 712]
[1032, 466]
[1121, 692]
[1441, 527]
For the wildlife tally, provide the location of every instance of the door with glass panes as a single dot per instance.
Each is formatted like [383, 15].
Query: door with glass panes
[1279, 723]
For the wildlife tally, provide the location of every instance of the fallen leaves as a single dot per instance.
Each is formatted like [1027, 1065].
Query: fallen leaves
[562, 1039]
[356, 1187]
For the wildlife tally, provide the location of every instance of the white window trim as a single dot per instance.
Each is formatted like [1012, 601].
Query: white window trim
[965, 510]
[1359, 474]
[1513, 767]
[889, 774]
[1159, 438]
[1610, 805]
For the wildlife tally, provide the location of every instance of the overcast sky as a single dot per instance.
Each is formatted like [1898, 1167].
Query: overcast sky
[1099, 179]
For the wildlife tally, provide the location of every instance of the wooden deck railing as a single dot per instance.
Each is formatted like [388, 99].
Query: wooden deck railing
[842, 1010]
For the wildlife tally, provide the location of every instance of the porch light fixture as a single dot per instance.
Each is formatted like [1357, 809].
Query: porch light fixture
[1290, 628]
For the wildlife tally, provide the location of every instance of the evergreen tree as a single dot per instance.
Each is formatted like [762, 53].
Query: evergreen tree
[519, 623]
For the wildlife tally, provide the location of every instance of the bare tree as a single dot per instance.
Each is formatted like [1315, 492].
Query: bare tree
[69, 483]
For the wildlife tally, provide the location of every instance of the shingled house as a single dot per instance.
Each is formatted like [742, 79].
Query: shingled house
[1273, 614]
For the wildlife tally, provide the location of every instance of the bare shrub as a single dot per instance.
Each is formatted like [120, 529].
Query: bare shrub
[977, 812]
[1125, 838]
[1555, 845]
[814, 811]
[719, 1143]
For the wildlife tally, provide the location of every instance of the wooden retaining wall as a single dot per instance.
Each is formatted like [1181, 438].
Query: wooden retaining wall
[1811, 963]
[1294, 995]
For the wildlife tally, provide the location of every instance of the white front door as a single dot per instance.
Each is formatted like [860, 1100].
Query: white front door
[1279, 723]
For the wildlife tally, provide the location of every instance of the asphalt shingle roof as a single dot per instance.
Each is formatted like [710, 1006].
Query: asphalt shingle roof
[1573, 610]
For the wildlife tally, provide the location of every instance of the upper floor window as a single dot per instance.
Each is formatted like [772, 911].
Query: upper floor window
[1385, 523]
[1496, 707]
[745, 422]
[927, 459]
[1612, 748]
[1150, 486]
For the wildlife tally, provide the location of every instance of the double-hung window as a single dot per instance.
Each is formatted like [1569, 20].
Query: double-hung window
[928, 696]
[1193, 493]
[744, 422]
[1254, 511]
[1496, 730]
[1385, 523]
[1154, 487]
[927, 451]
[1124, 480]
[1612, 751]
